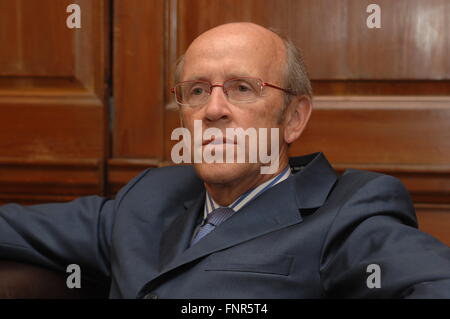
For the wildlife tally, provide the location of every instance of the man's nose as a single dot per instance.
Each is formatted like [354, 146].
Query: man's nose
[217, 107]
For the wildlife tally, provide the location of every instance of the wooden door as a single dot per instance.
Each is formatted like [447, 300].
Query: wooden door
[53, 100]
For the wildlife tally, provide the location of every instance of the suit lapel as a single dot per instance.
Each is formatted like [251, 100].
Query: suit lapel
[314, 180]
[259, 218]
[176, 238]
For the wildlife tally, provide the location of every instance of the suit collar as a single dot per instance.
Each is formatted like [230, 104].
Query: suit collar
[309, 187]
[314, 178]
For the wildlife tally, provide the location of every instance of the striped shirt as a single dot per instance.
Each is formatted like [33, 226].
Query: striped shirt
[245, 198]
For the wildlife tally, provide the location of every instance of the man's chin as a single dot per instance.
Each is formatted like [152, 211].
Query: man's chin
[221, 173]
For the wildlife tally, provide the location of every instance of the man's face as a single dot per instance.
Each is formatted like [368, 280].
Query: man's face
[221, 55]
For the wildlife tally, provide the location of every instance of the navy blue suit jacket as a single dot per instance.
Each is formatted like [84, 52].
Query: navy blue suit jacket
[311, 236]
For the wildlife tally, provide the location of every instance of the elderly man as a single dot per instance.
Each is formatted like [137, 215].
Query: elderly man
[224, 229]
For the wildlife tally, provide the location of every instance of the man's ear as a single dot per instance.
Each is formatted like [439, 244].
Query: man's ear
[298, 113]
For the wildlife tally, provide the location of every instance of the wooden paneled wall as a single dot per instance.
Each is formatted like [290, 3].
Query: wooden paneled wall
[83, 111]
[52, 100]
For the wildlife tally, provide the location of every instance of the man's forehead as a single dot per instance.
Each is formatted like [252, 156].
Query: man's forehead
[237, 36]
[235, 50]
[234, 63]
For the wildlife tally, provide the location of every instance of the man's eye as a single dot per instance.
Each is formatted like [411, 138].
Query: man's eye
[197, 91]
[243, 88]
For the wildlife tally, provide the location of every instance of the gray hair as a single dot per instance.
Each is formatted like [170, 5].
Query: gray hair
[296, 75]
[179, 68]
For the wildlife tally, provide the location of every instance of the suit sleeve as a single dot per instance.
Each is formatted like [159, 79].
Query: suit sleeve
[57, 235]
[373, 248]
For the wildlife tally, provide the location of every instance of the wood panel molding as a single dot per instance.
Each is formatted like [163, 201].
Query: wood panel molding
[37, 180]
[412, 130]
[51, 127]
[426, 183]
[434, 220]
[381, 87]
[392, 102]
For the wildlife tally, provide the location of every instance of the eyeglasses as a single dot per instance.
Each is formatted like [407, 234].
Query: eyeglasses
[237, 90]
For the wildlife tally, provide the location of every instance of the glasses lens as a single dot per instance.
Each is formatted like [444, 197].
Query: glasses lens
[192, 93]
[243, 89]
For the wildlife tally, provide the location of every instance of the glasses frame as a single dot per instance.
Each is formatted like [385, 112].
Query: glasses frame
[211, 86]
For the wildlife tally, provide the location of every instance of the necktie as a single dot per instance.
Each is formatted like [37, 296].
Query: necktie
[214, 219]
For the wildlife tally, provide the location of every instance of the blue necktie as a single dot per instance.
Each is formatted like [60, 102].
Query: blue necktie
[214, 219]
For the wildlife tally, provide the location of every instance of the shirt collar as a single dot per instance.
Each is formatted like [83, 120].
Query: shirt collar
[245, 198]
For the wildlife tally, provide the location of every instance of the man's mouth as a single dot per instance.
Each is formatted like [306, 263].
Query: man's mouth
[218, 141]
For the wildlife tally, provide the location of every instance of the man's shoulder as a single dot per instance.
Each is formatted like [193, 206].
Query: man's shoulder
[169, 174]
[314, 170]
[162, 182]
[357, 178]
[362, 194]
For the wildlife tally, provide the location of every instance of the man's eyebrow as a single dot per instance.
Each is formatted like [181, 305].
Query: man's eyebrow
[196, 78]
[233, 75]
